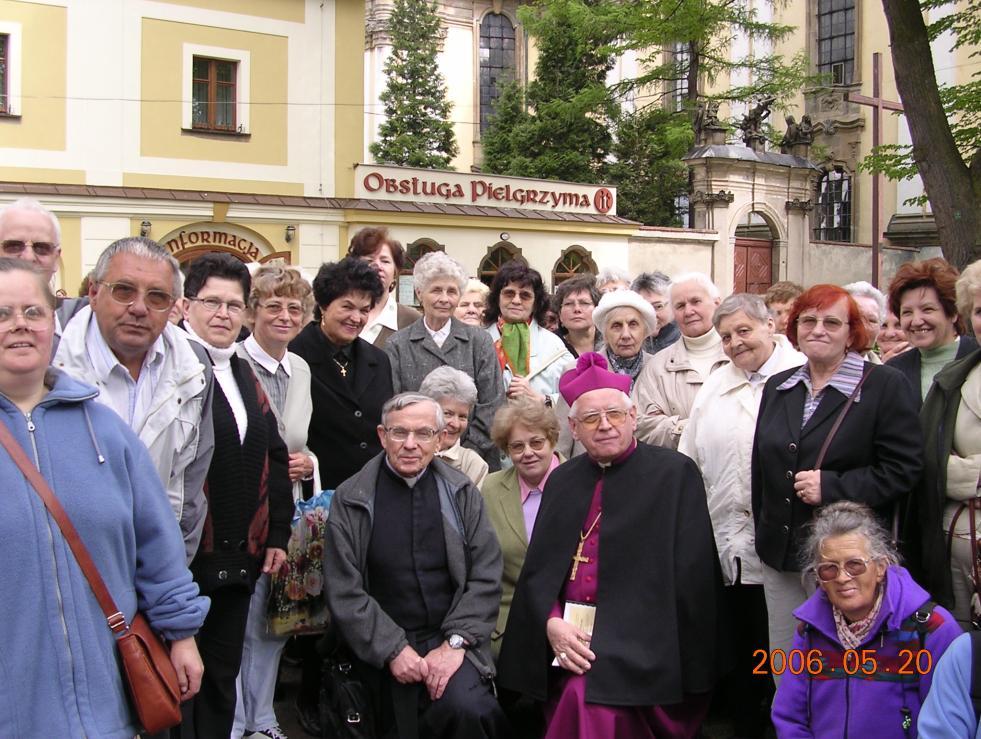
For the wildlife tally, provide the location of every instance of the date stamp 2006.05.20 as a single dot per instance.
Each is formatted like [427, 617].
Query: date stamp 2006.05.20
[852, 662]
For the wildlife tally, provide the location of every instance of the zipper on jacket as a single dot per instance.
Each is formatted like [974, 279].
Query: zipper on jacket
[54, 557]
[848, 706]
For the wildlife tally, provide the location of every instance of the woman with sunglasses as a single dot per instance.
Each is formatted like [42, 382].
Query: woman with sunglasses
[527, 433]
[250, 502]
[863, 655]
[874, 456]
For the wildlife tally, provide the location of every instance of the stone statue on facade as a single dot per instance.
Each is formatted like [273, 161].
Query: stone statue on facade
[798, 136]
[752, 124]
[708, 129]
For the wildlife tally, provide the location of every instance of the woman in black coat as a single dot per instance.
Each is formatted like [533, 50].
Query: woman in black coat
[350, 381]
[873, 458]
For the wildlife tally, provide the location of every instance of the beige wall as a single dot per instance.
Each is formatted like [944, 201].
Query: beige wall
[285, 10]
[41, 124]
[161, 134]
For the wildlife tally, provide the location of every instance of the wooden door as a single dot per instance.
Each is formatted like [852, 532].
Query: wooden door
[754, 265]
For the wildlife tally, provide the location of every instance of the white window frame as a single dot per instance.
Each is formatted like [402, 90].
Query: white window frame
[14, 32]
[243, 72]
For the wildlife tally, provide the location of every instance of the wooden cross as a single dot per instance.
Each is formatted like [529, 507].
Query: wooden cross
[877, 104]
[576, 559]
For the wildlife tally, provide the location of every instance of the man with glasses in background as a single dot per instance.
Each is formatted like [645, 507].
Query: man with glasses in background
[147, 370]
[621, 587]
[31, 232]
[412, 572]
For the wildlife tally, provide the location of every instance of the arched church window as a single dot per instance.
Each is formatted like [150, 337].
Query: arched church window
[833, 215]
[574, 261]
[497, 256]
[497, 61]
[413, 253]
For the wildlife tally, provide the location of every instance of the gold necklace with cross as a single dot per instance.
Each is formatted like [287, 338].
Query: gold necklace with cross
[578, 557]
[341, 366]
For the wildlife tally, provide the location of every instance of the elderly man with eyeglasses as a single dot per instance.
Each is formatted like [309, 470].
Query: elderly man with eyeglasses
[621, 586]
[31, 232]
[412, 572]
[147, 370]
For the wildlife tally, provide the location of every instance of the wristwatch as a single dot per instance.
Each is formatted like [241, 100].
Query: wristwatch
[457, 642]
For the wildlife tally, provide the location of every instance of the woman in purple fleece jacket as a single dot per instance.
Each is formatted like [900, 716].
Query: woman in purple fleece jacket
[867, 641]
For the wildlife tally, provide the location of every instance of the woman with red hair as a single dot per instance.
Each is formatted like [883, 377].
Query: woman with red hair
[873, 457]
[924, 296]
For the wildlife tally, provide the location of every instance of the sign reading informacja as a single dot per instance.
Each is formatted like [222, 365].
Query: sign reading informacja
[456, 188]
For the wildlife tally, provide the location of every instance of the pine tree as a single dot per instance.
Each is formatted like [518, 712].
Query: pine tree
[564, 132]
[417, 131]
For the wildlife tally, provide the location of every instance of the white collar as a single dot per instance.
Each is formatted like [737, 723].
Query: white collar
[265, 360]
[104, 360]
[389, 317]
[439, 336]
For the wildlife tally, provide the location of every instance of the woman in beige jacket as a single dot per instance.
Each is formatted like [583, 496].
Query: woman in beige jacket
[666, 388]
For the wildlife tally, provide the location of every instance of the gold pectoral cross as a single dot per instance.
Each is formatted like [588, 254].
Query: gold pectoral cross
[341, 367]
[576, 559]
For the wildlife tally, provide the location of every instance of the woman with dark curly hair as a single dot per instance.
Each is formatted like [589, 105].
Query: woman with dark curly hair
[350, 381]
[924, 296]
[532, 358]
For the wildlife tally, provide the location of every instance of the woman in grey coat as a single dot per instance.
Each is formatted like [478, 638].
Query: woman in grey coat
[439, 339]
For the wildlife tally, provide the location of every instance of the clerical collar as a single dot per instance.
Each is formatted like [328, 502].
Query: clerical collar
[622, 458]
[410, 482]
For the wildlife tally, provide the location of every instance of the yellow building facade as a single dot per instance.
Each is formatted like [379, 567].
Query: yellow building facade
[240, 125]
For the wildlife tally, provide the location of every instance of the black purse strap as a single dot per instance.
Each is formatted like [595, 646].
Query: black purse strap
[866, 371]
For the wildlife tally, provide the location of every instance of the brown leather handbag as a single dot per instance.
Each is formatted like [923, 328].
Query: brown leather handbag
[154, 690]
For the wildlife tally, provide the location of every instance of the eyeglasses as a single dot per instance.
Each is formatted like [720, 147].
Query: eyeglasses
[126, 294]
[828, 571]
[509, 293]
[35, 317]
[15, 247]
[536, 444]
[423, 435]
[295, 310]
[616, 417]
[213, 305]
[830, 323]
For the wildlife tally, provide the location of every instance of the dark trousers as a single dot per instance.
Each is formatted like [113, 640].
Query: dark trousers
[466, 710]
[211, 713]
[746, 697]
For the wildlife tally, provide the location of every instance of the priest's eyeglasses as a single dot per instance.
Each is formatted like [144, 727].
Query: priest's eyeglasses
[616, 417]
[424, 435]
[828, 571]
[536, 444]
[126, 294]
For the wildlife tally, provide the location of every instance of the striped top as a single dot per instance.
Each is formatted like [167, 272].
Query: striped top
[844, 380]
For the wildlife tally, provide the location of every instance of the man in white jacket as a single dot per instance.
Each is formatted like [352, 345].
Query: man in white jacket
[146, 369]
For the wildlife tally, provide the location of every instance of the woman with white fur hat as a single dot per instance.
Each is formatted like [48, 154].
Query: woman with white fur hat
[624, 319]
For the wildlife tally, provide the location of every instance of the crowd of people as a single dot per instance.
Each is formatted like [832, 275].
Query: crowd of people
[669, 505]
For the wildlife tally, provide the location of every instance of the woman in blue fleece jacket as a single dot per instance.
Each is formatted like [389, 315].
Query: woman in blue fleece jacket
[59, 672]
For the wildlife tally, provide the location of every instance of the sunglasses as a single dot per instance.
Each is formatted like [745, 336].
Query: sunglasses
[828, 571]
[14, 247]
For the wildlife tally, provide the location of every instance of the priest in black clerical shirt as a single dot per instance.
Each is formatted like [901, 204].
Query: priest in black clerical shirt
[615, 622]
[412, 575]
